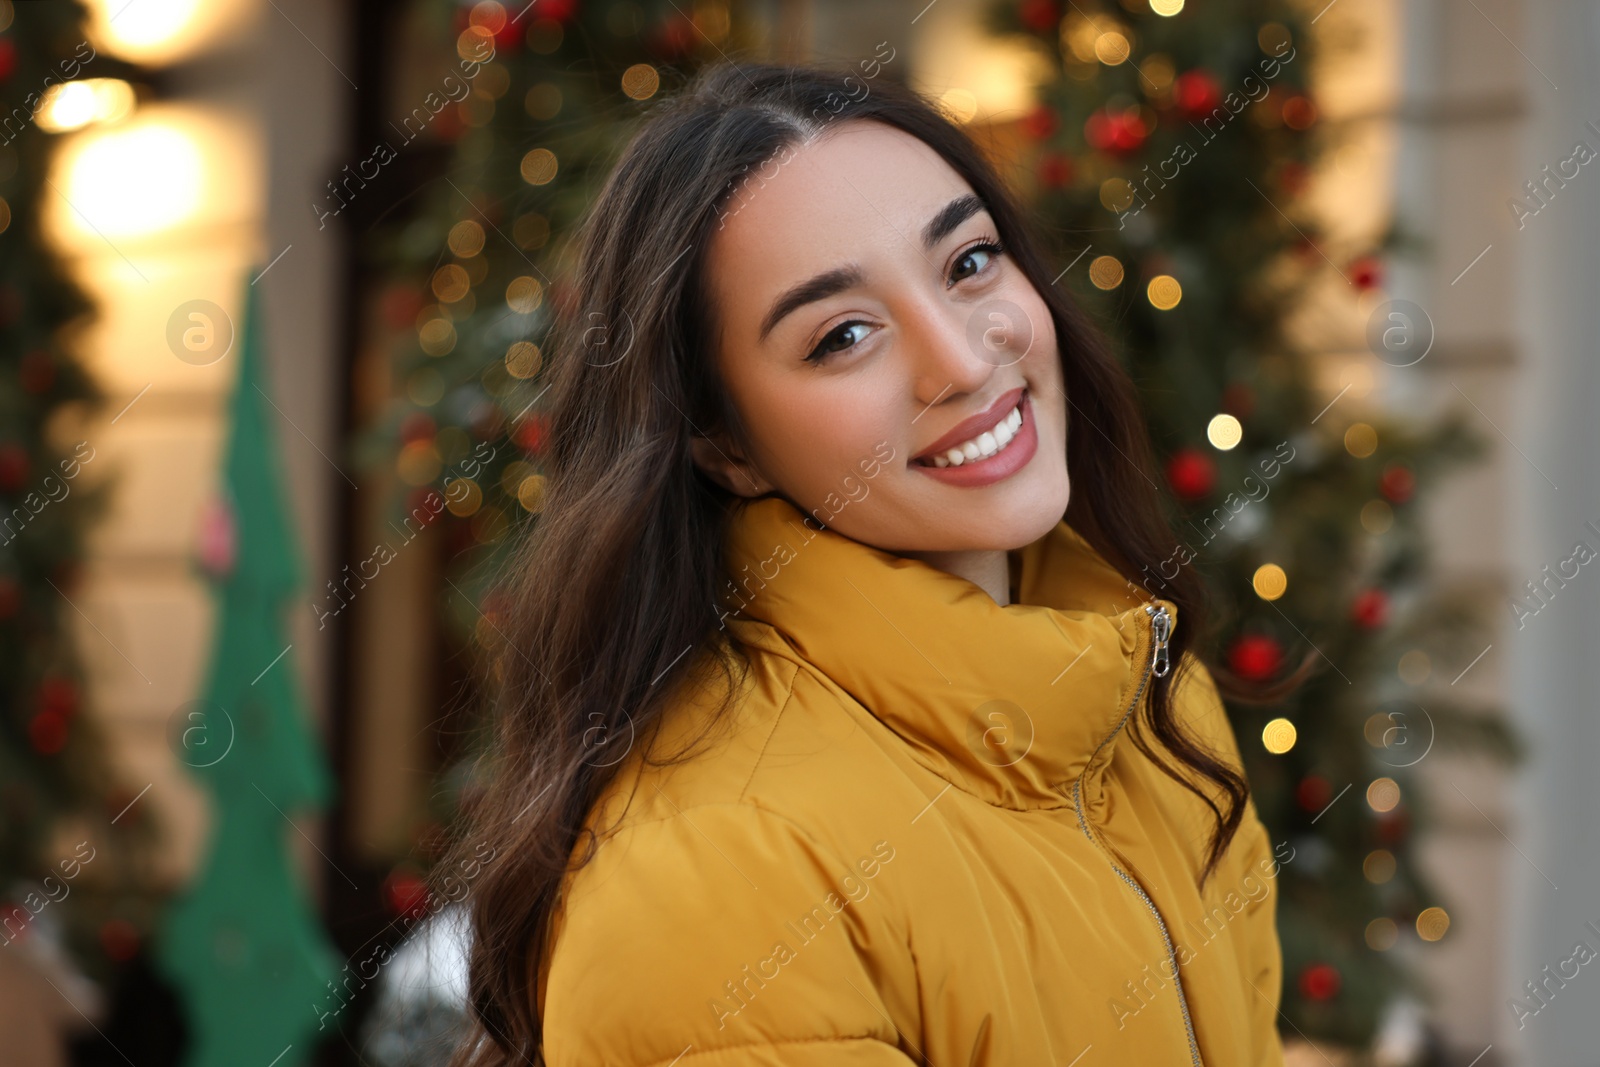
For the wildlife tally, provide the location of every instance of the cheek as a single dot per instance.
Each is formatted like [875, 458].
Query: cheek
[819, 436]
[1043, 364]
[1038, 332]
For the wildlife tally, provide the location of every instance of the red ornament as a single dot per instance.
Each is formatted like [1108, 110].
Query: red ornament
[1197, 93]
[1397, 483]
[1255, 657]
[1299, 112]
[13, 467]
[1041, 122]
[1366, 273]
[58, 694]
[10, 597]
[1191, 473]
[405, 894]
[449, 124]
[217, 546]
[424, 505]
[674, 37]
[1239, 400]
[417, 426]
[401, 306]
[509, 39]
[1119, 133]
[1393, 826]
[559, 10]
[48, 732]
[1292, 179]
[8, 58]
[1370, 609]
[1055, 170]
[1313, 793]
[530, 434]
[1319, 981]
[1040, 16]
[119, 939]
[37, 371]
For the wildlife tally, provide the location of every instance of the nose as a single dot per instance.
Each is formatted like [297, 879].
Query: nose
[955, 348]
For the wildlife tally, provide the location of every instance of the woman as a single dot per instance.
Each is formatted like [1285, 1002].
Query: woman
[835, 725]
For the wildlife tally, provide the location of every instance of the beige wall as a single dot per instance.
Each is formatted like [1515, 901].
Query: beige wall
[261, 108]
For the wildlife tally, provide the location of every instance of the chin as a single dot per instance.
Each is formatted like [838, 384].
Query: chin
[1037, 515]
[1026, 515]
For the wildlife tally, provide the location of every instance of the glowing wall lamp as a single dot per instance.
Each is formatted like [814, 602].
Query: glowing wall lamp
[136, 179]
[73, 105]
[976, 77]
[157, 32]
[154, 178]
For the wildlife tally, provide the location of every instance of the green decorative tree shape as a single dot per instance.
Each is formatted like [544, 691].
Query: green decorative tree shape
[243, 943]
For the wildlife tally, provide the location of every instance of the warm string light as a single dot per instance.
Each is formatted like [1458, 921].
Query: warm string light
[1164, 292]
[1105, 272]
[640, 81]
[1224, 432]
[1279, 736]
[1269, 581]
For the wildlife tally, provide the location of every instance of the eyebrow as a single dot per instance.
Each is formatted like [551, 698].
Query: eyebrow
[840, 279]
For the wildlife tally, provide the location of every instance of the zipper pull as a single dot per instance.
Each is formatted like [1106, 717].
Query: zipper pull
[1161, 629]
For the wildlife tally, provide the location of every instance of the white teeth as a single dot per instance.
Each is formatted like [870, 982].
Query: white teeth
[985, 444]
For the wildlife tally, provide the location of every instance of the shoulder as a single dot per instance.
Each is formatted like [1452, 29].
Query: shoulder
[719, 926]
[736, 893]
[786, 742]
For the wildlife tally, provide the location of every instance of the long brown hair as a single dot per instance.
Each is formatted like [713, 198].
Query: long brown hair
[620, 574]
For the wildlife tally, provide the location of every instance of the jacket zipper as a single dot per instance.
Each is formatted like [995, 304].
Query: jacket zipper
[1161, 629]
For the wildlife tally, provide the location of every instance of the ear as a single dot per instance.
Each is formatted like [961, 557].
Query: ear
[724, 464]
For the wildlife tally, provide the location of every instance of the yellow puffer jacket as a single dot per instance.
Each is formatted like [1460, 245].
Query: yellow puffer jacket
[921, 838]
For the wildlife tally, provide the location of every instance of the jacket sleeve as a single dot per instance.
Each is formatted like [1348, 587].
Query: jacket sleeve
[724, 936]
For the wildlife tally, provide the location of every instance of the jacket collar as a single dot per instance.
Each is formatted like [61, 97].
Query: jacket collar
[1009, 703]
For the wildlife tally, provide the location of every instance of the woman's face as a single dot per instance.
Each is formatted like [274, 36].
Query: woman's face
[864, 318]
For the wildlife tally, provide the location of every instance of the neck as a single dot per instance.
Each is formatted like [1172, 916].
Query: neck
[988, 569]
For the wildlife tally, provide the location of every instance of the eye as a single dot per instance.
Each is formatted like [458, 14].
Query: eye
[837, 340]
[984, 252]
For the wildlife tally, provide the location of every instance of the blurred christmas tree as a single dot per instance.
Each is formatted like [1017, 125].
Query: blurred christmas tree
[242, 940]
[1169, 156]
[74, 845]
[547, 95]
[1168, 159]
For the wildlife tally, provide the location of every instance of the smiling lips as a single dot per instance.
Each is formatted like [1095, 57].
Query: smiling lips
[979, 437]
[1004, 438]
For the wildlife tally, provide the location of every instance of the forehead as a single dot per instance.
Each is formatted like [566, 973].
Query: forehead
[859, 193]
